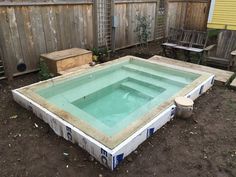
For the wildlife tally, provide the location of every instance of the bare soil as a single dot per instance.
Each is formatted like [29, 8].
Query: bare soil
[202, 146]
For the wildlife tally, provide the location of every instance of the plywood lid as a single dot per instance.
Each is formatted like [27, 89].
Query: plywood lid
[183, 101]
[63, 54]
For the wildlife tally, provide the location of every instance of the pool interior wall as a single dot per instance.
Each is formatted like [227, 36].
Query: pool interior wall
[110, 99]
[112, 157]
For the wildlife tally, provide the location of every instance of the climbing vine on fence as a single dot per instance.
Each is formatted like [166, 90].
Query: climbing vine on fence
[143, 28]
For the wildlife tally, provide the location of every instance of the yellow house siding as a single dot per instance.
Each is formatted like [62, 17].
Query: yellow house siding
[222, 15]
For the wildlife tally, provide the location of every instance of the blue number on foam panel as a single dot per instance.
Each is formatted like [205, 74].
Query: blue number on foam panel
[150, 131]
[103, 152]
[104, 157]
[68, 129]
[213, 80]
[201, 89]
[173, 110]
[69, 133]
[118, 159]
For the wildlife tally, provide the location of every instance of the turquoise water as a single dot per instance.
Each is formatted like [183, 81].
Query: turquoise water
[112, 98]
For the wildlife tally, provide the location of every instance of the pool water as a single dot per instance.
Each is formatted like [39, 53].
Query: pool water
[112, 98]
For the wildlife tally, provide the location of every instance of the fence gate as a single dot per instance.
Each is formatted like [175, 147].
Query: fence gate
[103, 12]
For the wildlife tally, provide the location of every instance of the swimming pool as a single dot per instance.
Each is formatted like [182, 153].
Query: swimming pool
[112, 108]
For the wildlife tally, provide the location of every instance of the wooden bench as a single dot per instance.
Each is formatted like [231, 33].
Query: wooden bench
[222, 54]
[189, 41]
[66, 59]
[171, 40]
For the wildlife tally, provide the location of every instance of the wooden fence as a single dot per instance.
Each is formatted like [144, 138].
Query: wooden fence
[126, 13]
[188, 14]
[29, 28]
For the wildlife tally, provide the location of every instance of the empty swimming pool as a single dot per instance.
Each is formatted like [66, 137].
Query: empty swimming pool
[110, 109]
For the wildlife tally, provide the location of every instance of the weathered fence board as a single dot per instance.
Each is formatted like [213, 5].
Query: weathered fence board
[7, 44]
[37, 30]
[197, 15]
[28, 31]
[188, 14]
[29, 28]
[126, 13]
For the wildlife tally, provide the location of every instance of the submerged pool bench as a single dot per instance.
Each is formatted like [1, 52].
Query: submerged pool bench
[110, 109]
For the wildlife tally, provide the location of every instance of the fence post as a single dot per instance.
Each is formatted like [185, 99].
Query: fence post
[156, 20]
[95, 24]
[113, 27]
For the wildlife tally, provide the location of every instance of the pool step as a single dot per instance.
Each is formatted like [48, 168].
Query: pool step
[144, 88]
[156, 74]
[139, 89]
[76, 93]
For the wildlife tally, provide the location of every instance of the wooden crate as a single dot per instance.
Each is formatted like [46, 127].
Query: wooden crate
[66, 59]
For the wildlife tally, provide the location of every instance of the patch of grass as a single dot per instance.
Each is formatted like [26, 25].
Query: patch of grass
[44, 73]
[230, 80]
[212, 33]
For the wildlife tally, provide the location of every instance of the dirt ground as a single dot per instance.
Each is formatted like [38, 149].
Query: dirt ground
[202, 146]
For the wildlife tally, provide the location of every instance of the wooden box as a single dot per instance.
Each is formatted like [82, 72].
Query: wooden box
[66, 59]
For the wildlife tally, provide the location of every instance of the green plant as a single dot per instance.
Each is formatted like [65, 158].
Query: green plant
[143, 28]
[44, 73]
[101, 53]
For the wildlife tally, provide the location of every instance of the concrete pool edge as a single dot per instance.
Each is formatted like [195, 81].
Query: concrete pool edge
[110, 142]
[110, 157]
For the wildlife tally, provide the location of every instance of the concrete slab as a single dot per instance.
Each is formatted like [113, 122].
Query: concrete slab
[221, 76]
[233, 84]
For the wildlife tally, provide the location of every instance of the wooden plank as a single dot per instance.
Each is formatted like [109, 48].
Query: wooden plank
[76, 26]
[26, 37]
[221, 76]
[95, 24]
[233, 84]
[176, 15]
[37, 30]
[75, 69]
[188, 14]
[123, 26]
[57, 27]
[127, 16]
[14, 35]
[16, 4]
[134, 1]
[66, 27]
[68, 53]
[133, 23]
[6, 44]
[90, 26]
[77, 36]
[33, 30]
[197, 16]
[61, 22]
[85, 26]
[71, 26]
[81, 27]
[49, 26]
[72, 62]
